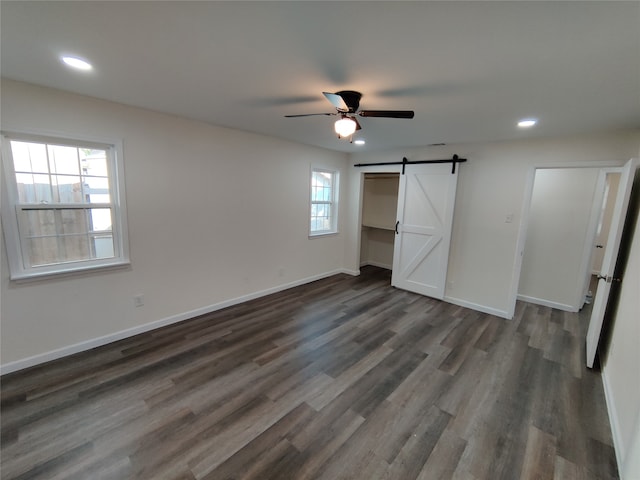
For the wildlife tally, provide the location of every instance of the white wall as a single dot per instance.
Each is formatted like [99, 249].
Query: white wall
[491, 185]
[558, 236]
[214, 215]
[377, 247]
[620, 366]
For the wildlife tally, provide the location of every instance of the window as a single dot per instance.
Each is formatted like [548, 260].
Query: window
[324, 201]
[64, 208]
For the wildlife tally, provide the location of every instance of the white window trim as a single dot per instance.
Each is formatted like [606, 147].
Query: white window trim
[13, 241]
[335, 194]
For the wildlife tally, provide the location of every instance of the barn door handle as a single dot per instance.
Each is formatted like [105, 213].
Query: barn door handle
[397, 223]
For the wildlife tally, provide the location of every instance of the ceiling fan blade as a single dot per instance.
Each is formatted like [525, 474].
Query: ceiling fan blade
[309, 115]
[337, 101]
[387, 113]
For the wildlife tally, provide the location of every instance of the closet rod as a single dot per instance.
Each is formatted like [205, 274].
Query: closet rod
[406, 162]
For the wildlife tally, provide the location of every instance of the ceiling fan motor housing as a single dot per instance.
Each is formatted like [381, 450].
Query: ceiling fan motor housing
[351, 98]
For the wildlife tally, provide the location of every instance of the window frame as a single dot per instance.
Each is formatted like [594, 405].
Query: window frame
[12, 208]
[333, 202]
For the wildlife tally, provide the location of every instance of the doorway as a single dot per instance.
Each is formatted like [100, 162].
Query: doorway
[567, 227]
[559, 236]
[379, 207]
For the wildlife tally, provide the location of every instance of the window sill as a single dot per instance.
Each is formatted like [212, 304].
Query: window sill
[66, 273]
[322, 234]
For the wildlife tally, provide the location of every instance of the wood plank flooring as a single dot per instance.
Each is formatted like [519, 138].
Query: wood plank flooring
[343, 378]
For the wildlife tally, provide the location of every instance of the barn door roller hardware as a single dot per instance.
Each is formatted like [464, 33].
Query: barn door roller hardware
[406, 162]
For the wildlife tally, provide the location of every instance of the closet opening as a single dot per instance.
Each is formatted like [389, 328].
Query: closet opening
[379, 209]
[405, 223]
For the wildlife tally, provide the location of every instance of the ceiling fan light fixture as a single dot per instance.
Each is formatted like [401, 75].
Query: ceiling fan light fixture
[345, 127]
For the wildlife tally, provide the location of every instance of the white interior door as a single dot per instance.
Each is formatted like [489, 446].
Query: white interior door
[611, 181]
[609, 257]
[426, 199]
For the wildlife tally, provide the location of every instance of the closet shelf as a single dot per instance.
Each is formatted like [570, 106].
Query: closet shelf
[380, 227]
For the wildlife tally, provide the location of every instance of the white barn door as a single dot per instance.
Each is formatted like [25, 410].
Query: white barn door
[426, 199]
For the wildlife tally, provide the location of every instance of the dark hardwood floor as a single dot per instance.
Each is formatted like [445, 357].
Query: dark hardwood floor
[343, 378]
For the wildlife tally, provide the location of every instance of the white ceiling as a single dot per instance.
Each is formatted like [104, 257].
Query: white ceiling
[470, 70]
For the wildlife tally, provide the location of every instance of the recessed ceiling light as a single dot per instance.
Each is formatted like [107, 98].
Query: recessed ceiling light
[77, 63]
[359, 142]
[527, 122]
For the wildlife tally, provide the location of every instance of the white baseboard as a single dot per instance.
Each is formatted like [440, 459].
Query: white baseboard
[376, 264]
[348, 271]
[477, 307]
[547, 303]
[130, 332]
[618, 443]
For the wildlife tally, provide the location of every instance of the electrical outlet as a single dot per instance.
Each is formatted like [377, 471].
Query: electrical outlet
[138, 300]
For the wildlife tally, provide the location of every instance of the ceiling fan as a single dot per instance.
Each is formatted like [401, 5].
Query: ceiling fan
[347, 103]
